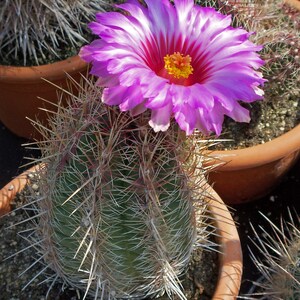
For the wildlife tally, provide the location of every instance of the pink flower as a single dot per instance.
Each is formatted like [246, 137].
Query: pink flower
[183, 61]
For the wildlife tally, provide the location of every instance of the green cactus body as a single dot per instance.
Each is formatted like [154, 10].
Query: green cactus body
[117, 211]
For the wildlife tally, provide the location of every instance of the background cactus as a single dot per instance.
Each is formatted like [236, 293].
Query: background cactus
[280, 262]
[33, 30]
[276, 26]
[120, 210]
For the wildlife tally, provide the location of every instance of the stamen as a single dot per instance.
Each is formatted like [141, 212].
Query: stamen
[178, 66]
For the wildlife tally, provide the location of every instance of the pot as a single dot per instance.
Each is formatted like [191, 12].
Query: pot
[10, 190]
[230, 256]
[247, 174]
[293, 3]
[21, 86]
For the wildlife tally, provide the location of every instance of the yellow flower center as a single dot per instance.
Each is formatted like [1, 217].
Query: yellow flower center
[178, 65]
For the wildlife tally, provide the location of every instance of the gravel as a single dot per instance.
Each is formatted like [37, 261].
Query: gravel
[269, 119]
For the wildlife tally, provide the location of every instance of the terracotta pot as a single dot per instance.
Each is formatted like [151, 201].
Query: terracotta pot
[294, 3]
[10, 190]
[230, 257]
[247, 174]
[21, 86]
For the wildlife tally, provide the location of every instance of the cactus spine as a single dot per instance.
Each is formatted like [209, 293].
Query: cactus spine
[116, 212]
[280, 263]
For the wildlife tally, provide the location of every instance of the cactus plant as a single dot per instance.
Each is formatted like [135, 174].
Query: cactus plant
[278, 260]
[118, 202]
[121, 204]
[32, 30]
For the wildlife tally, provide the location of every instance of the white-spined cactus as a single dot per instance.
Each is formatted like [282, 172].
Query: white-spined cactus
[30, 30]
[120, 209]
[278, 261]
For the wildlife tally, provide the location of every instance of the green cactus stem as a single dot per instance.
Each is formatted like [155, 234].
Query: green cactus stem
[117, 214]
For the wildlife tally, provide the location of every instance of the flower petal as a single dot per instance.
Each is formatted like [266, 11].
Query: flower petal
[160, 118]
[129, 59]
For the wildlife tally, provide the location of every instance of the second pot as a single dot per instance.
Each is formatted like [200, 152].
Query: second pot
[247, 174]
[22, 87]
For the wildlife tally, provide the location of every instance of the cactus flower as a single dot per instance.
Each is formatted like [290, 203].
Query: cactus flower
[179, 60]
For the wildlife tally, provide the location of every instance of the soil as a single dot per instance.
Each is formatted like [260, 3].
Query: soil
[269, 119]
[198, 282]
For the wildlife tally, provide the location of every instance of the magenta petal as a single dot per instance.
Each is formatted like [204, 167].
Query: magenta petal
[239, 114]
[180, 94]
[131, 98]
[136, 10]
[108, 81]
[216, 118]
[151, 84]
[132, 76]
[160, 118]
[161, 99]
[114, 95]
[201, 97]
[189, 119]
[186, 119]
[140, 108]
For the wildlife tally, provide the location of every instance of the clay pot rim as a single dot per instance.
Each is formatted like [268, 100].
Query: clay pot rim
[12, 188]
[231, 257]
[250, 157]
[231, 260]
[15, 74]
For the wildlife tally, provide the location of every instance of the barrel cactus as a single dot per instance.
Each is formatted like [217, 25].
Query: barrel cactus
[121, 205]
[119, 210]
[278, 261]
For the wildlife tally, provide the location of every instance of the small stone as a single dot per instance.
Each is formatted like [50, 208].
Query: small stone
[283, 111]
[30, 175]
[35, 187]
